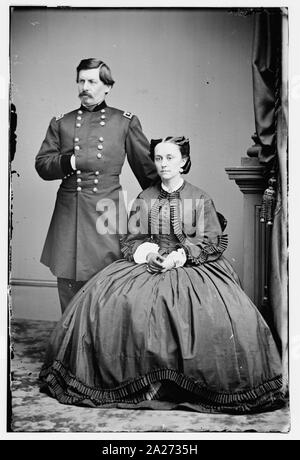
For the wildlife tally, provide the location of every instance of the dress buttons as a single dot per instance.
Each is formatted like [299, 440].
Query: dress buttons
[79, 112]
[95, 189]
[97, 172]
[103, 117]
[79, 118]
[99, 155]
[78, 171]
[78, 125]
[102, 123]
[76, 139]
[77, 147]
[79, 189]
[101, 139]
[100, 147]
[78, 179]
[103, 110]
[96, 181]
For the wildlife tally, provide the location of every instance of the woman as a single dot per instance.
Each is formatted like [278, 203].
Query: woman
[169, 326]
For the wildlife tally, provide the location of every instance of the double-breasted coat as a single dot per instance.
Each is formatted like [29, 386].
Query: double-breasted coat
[89, 212]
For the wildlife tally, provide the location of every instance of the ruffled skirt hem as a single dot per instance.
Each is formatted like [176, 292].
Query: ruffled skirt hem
[162, 389]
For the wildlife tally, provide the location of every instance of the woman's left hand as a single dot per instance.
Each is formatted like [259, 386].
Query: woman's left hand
[168, 264]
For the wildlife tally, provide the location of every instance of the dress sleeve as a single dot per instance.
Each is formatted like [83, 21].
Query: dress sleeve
[208, 243]
[138, 229]
[49, 162]
[138, 154]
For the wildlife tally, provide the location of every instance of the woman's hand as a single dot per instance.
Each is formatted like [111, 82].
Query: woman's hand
[155, 262]
[168, 263]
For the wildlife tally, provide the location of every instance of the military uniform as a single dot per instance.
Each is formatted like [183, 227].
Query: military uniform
[76, 247]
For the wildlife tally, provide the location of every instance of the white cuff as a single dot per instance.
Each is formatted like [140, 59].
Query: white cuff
[178, 257]
[73, 162]
[140, 255]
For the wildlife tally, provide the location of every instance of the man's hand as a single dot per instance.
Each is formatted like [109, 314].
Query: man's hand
[155, 262]
[73, 162]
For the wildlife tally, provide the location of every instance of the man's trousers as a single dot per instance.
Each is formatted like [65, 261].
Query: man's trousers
[67, 288]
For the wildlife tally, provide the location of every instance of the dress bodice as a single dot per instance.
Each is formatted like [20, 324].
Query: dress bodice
[165, 237]
[184, 218]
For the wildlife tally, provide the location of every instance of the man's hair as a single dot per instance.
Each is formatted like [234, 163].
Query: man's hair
[94, 63]
[184, 146]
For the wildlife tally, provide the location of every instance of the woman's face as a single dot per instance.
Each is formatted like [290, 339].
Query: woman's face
[168, 160]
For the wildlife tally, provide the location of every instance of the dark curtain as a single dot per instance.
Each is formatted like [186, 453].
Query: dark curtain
[269, 65]
[266, 58]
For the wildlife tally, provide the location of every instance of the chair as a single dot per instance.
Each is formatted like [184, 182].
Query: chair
[222, 220]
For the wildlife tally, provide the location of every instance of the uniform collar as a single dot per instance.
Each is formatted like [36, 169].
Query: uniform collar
[100, 106]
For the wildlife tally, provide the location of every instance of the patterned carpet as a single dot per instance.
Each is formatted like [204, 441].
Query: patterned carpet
[33, 411]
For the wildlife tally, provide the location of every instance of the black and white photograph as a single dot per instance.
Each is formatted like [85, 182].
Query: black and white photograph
[148, 226]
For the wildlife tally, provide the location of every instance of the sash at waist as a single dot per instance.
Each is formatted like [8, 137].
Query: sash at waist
[167, 243]
[90, 181]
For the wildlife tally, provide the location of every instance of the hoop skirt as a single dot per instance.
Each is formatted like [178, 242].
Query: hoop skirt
[186, 338]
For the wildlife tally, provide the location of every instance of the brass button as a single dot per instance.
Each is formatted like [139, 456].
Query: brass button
[99, 155]
[78, 171]
[80, 112]
[101, 139]
[79, 179]
[103, 110]
[100, 147]
[78, 125]
[79, 118]
[97, 172]
[79, 189]
[102, 123]
[103, 117]
[95, 189]
[77, 147]
[96, 181]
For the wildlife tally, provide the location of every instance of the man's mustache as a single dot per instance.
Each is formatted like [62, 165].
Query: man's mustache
[84, 93]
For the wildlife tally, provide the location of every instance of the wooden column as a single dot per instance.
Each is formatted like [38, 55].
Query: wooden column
[249, 177]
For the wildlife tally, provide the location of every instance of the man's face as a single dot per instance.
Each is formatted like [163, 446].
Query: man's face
[90, 88]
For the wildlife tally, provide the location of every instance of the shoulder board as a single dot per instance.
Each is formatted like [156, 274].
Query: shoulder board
[128, 115]
[59, 116]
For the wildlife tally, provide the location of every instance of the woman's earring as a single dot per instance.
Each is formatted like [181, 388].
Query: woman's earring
[180, 170]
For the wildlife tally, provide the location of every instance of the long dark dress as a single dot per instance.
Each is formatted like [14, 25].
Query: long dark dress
[189, 337]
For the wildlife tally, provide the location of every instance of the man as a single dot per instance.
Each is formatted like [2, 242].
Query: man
[86, 149]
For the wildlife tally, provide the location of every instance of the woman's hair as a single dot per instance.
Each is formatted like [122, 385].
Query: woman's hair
[184, 146]
[93, 63]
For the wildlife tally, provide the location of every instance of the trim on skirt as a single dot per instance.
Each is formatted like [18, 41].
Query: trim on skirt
[67, 389]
